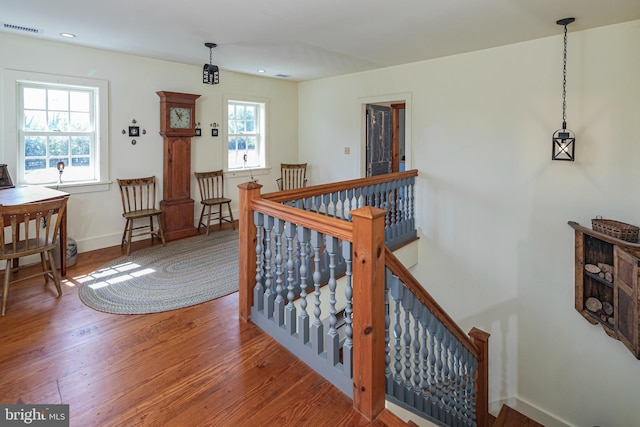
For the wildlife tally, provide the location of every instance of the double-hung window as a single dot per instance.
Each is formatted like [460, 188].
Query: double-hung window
[61, 130]
[58, 129]
[246, 134]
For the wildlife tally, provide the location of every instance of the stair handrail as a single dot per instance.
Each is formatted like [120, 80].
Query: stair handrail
[314, 190]
[396, 266]
[328, 225]
[476, 341]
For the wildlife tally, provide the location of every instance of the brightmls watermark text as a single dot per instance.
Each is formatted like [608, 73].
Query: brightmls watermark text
[34, 415]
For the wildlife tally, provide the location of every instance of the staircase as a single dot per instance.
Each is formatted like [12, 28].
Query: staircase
[394, 344]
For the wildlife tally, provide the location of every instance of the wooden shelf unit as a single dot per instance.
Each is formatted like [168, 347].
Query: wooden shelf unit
[593, 247]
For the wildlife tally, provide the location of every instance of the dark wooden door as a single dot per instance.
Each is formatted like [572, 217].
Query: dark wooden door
[379, 140]
[625, 299]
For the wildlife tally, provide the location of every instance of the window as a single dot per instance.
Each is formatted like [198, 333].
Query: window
[58, 127]
[246, 134]
[59, 120]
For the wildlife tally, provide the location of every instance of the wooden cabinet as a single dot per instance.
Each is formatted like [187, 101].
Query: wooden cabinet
[617, 294]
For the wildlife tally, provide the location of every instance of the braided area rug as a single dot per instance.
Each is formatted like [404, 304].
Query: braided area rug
[183, 273]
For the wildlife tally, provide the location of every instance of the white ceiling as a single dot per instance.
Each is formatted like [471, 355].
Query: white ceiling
[306, 39]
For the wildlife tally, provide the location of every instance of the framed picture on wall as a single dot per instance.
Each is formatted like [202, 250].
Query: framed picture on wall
[134, 131]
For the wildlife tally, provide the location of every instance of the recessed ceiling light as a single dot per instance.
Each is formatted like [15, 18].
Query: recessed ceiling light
[68, 35]
[261, 70]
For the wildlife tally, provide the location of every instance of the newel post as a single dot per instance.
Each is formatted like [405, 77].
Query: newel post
[480, 339]
[246, 248]
[368, 307]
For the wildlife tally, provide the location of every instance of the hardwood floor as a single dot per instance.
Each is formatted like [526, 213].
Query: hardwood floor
[198, 366]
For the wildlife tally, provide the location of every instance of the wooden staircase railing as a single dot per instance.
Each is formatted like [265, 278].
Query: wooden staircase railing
[280, 243]
[476, 342]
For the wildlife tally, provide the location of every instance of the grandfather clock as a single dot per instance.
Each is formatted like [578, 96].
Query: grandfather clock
[177, 126]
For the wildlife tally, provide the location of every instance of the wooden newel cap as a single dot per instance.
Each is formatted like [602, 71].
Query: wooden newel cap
[250, 185]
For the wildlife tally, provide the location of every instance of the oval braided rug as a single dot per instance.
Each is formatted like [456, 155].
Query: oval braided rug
[183, 273]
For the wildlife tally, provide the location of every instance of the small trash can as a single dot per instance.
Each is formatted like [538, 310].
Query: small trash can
[72, 252]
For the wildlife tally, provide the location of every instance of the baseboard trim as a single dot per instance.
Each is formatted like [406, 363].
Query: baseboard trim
[99, 242]
[529, 410]
[407, 416]
[108, 240]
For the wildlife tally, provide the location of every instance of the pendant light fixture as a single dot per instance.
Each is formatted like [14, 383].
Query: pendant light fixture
[210, 72]
[564, 140]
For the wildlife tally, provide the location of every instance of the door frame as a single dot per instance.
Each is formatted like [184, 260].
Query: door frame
[395, 135]
[392, 99]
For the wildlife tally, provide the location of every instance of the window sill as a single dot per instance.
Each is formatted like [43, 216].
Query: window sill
[242, 173]
[81, 187]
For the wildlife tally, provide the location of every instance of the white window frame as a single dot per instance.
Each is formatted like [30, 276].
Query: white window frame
[264, 133]
[13, 115]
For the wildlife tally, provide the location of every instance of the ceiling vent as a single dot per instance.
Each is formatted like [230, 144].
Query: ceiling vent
[284, 76]
[20, 28]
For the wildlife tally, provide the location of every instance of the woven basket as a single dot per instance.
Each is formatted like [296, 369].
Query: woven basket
[617, 229]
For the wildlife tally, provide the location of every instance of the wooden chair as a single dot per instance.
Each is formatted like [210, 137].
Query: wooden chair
[139, 202]
[39, 223]
[211, 185]
[292, 175]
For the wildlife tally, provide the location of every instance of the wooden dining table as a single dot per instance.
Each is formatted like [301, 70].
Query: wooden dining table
[22, 194]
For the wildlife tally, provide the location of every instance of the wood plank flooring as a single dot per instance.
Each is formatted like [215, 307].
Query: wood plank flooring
[198, 366]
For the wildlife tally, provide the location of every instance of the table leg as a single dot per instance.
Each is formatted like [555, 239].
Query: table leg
[63, 244]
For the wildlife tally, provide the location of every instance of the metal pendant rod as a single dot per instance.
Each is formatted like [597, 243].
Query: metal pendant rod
[564, 22]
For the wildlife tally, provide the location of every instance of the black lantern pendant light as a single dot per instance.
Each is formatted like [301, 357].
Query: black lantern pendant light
[210, 72]
[564, 141]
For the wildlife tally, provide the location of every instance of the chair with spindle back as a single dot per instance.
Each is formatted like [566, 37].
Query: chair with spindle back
[211, 185]
[292, 175]
[39, 223]
[139, 202]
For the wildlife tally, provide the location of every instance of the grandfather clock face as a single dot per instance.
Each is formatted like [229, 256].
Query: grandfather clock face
[179, 118]
[177, 113]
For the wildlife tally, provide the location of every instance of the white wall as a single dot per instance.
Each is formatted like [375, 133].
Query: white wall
[496, 250]
[95, 219]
